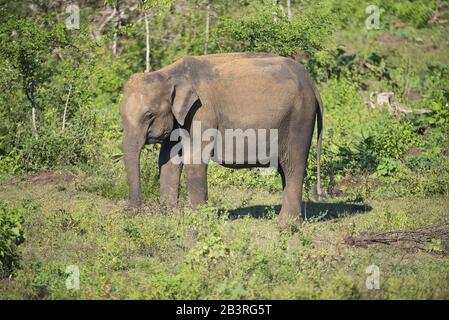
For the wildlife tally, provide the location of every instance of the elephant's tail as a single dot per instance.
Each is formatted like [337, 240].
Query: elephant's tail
[319, 120]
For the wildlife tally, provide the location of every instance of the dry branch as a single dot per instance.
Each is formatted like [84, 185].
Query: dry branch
[105, 22]
[439, 17]
[416, 239]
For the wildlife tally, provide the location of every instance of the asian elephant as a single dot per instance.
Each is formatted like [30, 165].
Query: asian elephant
[236, 92]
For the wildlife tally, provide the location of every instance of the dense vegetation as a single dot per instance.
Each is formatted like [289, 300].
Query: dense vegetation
[63, 186]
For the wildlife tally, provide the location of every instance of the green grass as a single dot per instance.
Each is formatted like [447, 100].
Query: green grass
[233, 252]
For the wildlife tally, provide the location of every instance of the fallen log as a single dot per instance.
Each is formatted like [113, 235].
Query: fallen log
[377, 100]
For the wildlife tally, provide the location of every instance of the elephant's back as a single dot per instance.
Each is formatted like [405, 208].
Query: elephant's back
[265, 85]
[220, 58]
[268, 68]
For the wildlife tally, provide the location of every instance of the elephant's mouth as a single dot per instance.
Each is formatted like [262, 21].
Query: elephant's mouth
[158, 139]
[153, 140]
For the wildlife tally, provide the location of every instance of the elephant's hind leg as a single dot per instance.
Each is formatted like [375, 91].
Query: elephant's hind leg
[197, 184]
[292, 164]
[291, 195]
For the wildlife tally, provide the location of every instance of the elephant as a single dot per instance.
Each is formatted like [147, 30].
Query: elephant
[222, 92]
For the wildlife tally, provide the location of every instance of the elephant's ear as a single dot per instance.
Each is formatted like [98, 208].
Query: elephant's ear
[181, 74]
[183, 98]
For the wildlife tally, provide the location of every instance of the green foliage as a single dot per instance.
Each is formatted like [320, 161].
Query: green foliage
[416, 12]
[434, 245]
[436, 96]
[54, 147]
[338, 64]
[11, 235]
[248, 178]
[269, 30]
[26, 45]
[391, 139]
[148, 4]
[10, 163]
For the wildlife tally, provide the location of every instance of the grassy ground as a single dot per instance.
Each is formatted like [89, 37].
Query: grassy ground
[235, 252]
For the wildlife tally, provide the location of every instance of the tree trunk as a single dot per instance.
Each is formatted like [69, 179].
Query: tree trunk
[117, 26]
[289, 9]
[147, 56]
[65, 107]
[114, 44]
[33, 119]
[206, 43]
[29, 91]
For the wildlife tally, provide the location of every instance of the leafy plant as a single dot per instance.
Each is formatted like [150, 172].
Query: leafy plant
[269, 30]
[11, 236]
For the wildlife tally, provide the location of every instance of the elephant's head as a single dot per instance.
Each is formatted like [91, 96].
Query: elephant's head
[153, 105]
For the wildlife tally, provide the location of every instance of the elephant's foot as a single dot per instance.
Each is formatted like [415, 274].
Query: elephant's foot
[197, 184]
[133, 211]
[169, 202]
[196, 203]
[289, 221]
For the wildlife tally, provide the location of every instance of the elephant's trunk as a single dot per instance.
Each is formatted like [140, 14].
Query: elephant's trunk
[132, 147]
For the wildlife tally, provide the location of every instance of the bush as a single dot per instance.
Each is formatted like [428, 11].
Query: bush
[11, 235]
[269, 30]
[381, 149]
[435, 97]
[54, 147]
[416, 12]
[10, 162]
[391, 138]
[359, 69]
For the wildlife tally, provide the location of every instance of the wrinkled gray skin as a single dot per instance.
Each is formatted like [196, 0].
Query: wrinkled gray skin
[227, 91]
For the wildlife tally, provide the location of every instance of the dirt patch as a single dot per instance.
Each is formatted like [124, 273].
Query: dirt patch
[44, 178]
[392, 40]
[413, 152]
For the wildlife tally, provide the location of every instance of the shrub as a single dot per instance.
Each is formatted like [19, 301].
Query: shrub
[417, 12]
[11, 235]
[269, 30]
[391, 138]
[383, 150]
[54, 147]
[10, 162]
[435, 97]
[360, 69]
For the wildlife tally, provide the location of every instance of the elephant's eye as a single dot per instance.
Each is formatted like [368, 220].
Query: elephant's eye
[148, 117]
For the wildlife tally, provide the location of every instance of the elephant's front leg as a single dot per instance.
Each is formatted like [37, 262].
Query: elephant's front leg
[197, 183]
[170, 174]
